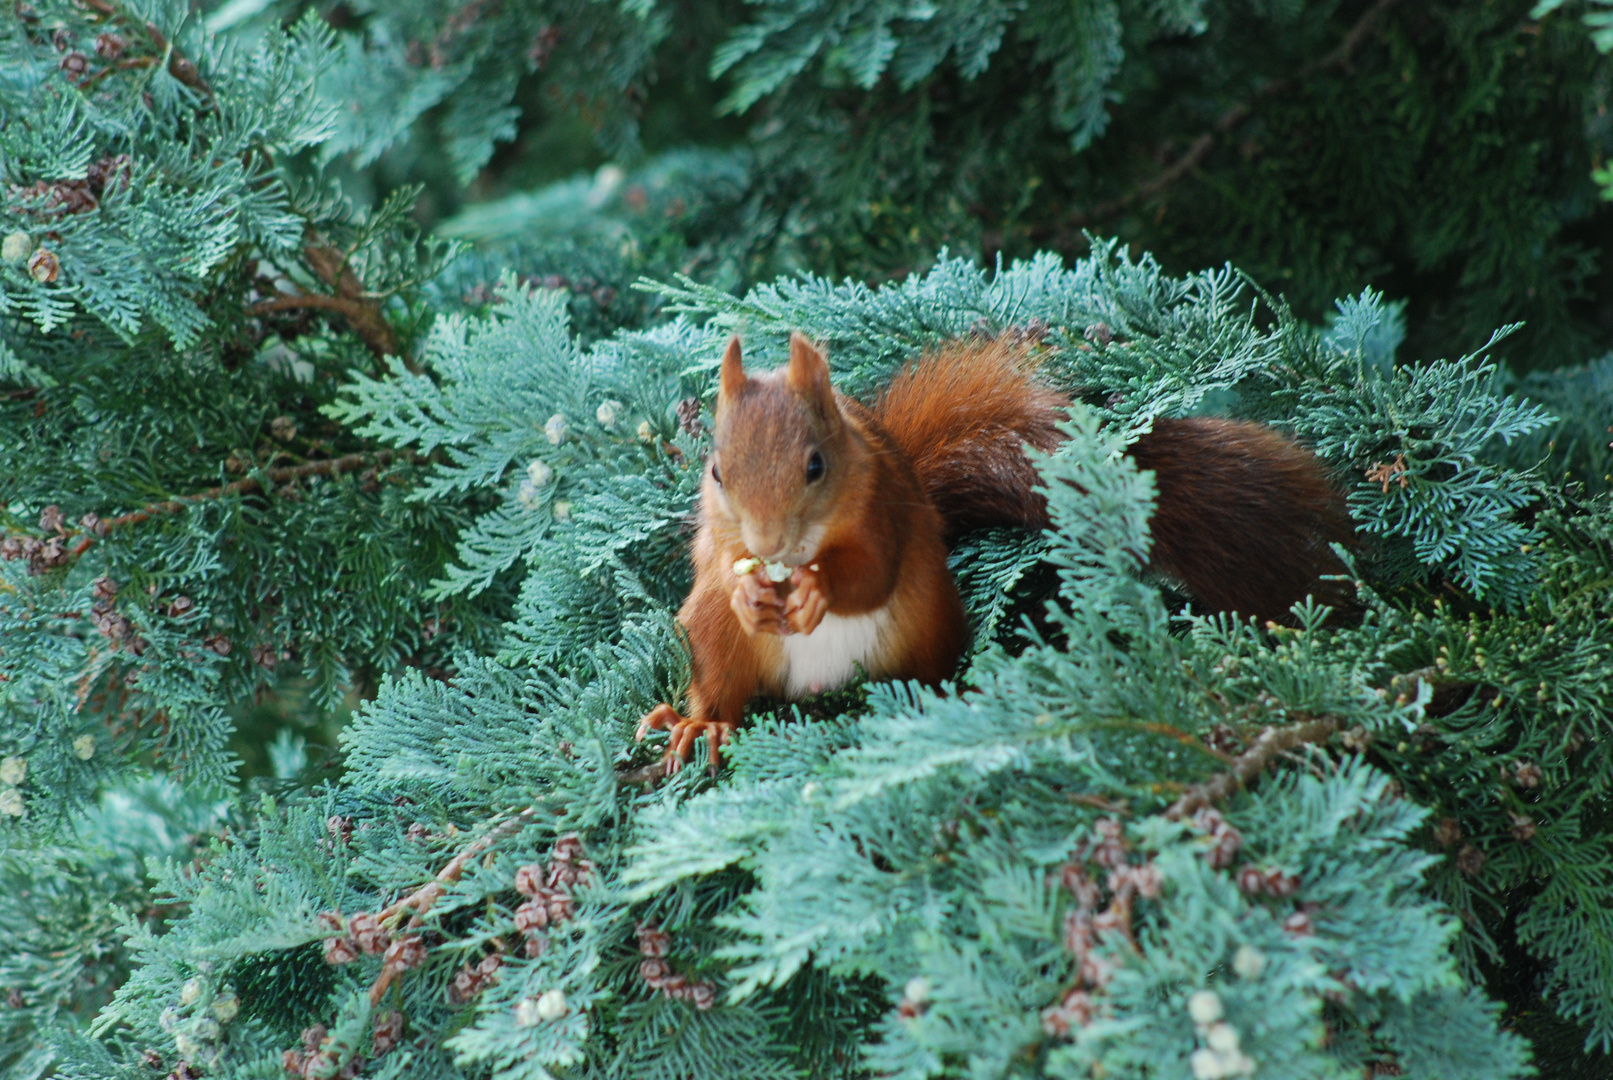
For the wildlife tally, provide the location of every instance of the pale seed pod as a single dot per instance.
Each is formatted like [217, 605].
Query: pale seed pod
[43, 266]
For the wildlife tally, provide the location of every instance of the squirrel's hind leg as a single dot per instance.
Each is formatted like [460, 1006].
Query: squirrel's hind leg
[725, 676]
[685, 730]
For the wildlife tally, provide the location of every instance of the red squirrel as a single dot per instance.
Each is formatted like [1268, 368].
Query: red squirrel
[825, 524]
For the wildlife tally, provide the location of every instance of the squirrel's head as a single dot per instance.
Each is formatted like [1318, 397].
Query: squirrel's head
[781, 453]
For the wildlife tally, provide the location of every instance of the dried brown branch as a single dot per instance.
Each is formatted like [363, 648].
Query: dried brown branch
[644, 774]
[420, 901]
[1251, 763]
[301, 301]
[327, 467]
[1120, 808]
[180, 66]
[1235, 115]
[94, 527]
[365, 318]
[362, 310]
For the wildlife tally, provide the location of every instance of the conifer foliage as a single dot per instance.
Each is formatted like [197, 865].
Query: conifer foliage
[264, 446]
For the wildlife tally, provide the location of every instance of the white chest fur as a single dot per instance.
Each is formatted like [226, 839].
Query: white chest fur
[827, 657]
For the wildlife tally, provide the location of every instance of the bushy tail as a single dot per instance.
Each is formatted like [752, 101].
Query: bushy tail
[963, 415]
[1244, 519]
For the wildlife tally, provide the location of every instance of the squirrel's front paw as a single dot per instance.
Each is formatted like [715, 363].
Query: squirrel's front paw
[809, 600]
[757, 605]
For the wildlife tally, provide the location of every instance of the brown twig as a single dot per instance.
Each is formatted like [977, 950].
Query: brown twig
[1099, 802]
[1235, 115]
[180, 66]
[421, 899]
[111, 69]
[1249, 764]
[327, 467]
[644, 774]
[365, 318]
[362, 310]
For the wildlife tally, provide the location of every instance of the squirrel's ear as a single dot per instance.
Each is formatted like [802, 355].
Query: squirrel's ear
[809, 369]
[733, 370]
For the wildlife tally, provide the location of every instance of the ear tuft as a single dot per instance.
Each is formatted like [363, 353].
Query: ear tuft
[809, 369]
[733, 371]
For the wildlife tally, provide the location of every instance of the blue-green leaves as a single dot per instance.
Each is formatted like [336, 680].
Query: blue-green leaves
[1429, 435]
[139, 217]
[857, 42]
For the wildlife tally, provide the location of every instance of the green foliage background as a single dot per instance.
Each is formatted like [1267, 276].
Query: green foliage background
[352, 359]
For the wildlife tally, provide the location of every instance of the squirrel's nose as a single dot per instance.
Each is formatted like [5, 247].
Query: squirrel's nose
[763, 543]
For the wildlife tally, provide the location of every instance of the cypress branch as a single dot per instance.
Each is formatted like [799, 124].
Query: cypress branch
[179, 65]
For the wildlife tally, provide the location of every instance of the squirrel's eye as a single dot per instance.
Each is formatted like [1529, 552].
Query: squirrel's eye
[814, 467]
[715, 475]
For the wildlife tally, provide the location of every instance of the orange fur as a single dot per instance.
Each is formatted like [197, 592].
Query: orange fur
[963, 416]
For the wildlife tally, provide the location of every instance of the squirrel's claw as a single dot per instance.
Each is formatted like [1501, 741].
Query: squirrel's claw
[685, 731]
[661, 718]
[758, 606]
[808, 602]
